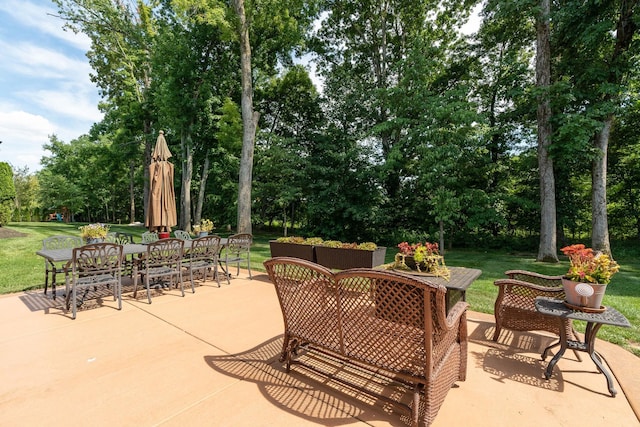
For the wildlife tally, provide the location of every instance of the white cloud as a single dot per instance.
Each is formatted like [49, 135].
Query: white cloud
[23, 137]
[44, 81]
[45, 19]
[68, 102]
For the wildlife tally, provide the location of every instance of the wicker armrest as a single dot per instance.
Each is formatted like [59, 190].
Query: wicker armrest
[513, 282]
[455, 313]
[533, 277]
[533, 274]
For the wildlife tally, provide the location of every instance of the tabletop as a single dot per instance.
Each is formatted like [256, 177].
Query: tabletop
[461, 277]
[66, 254]
[555, 307]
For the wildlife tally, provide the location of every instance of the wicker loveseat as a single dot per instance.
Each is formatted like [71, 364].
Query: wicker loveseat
[376, 320]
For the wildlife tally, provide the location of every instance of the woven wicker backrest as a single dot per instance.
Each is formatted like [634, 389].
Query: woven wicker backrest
[307, 293]
[373, 316]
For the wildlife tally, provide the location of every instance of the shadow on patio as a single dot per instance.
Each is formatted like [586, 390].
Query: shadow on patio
[211, 358]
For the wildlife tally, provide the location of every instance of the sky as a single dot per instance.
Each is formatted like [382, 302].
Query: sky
[45, 87]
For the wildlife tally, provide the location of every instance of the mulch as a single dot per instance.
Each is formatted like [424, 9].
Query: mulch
[5, 233]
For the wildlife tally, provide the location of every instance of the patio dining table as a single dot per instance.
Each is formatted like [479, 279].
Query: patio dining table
[63, 255]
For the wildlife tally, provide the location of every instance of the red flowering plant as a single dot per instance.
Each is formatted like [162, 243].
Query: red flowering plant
[421, 257]
[419, 251]
[587, 266]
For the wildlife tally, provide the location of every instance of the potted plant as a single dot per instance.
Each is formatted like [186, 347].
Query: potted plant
[204, 228]
[294, 246]
[589, 273]
[421, 258]
[335, 254]
[94, 233]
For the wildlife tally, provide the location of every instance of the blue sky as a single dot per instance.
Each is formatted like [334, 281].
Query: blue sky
[44, 82]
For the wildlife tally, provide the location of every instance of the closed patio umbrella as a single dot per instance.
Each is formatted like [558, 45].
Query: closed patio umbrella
[161, 211]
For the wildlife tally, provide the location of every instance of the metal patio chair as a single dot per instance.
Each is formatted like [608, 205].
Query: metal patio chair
[57, 242]
[162, 264]
[238, 250]
[92, 267]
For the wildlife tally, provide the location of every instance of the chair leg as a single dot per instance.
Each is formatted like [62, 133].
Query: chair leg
[216, 273]
[148, 285]
[180, 281]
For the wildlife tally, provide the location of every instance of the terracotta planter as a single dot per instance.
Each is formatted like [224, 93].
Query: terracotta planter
[579, 294]
[343, 259]
[293, 250]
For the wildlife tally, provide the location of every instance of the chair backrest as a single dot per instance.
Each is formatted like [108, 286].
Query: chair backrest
[205, 248]
[62, 242]
[181, 234]
[357, 311]
[165, 252]
[535, 278]
[149, 237]
[124, 238]
[97, 259]
[239, 243]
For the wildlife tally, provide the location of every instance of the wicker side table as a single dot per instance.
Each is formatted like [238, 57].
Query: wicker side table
[556, 308]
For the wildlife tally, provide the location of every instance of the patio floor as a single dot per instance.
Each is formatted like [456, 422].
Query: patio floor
[210, 359]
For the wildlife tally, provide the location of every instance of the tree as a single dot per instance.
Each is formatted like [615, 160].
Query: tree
[547, 250]
[27, 188]
[598, 47]
[7, 193]
[121, 46]
[250, 119]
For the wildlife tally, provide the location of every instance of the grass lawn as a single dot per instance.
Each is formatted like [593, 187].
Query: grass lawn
[21, 269]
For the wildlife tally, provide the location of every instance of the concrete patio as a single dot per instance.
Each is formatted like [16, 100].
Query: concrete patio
[210, 359]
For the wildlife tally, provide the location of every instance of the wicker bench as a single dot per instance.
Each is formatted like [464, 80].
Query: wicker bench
[378, 321]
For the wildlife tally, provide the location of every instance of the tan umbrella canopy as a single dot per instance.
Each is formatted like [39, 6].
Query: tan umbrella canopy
[161, 211]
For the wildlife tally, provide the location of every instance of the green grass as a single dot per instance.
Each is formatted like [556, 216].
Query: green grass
[21, 269]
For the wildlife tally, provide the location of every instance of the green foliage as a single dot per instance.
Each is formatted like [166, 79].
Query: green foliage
[7, 193]
[27, 189]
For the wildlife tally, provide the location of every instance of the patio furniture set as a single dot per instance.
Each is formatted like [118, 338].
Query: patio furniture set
[157, 262]
[413, 329]
[401, 328]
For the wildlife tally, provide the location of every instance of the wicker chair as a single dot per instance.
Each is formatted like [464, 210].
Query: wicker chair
[92, 266]
[515, 309]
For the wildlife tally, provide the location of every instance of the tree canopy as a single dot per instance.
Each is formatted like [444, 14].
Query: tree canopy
[416, 131]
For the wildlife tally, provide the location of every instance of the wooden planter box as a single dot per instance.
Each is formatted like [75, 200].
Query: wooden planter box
[343, 259]
[293, 250]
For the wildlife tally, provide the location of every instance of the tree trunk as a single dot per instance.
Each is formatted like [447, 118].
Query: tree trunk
[202, 192]
[132, 198]
[547, 250]
[249, 122]
[599, 223]
[147, 161]
[187, 173]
